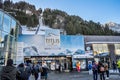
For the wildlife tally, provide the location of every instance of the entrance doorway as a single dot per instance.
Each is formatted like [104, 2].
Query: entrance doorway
[65, 62]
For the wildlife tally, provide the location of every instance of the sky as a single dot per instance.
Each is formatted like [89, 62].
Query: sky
[102, 11]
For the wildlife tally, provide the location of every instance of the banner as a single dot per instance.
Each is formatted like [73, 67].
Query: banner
[52, 45]
[20, 55]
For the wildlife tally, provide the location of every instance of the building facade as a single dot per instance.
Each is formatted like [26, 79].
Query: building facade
[104, 48]
[9, 30]
[52, 48]
[72, 49]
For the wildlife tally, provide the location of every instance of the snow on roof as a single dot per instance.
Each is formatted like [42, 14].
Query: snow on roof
[41, 31]
[25, 30]
[28, 32]
[44, 28]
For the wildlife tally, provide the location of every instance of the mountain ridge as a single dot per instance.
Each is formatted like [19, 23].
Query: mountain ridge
[56, 19]
[114, 26]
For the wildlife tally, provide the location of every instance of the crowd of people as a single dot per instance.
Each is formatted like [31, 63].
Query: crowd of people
[102, 68]
[23, 71]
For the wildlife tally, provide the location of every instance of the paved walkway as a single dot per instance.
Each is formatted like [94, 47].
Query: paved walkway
[76, 76]
[113, 71]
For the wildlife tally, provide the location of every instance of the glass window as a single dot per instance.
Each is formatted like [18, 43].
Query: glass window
[1, 16]
[82, 63]
[6, 23]
[11, 46]
[100, 48]
[16, 30]
[3, 47]
[13, 26]
[12, 43]
[117, 49]
[4, 36]
[95, 49]
[105, 48]
[0, 43]
[0, 36]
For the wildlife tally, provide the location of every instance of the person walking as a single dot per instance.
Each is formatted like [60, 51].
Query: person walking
[101, 70]
[36, 70]
[90, 67]
[95, 70]
[106, 70]
[114, 65]
[8, 72]
[28, 70]
[118, 65]
[78, 66]
[44, 72]
[24, 74]
[57, 67]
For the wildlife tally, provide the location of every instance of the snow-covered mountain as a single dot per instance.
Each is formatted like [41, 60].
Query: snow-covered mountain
[114, 26]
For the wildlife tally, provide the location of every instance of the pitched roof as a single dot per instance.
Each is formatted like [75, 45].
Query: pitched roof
[102, 39]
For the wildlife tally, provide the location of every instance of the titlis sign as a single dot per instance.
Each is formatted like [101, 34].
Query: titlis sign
[52, 39]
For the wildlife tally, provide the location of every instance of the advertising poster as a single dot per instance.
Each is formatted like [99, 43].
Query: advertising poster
[20, 54]
[35, 45]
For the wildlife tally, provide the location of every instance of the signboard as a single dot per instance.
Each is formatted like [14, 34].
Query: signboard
[20, 55]
[52, 44]
[52, 39]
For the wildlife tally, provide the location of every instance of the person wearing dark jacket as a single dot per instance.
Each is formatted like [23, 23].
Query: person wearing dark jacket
[8, 72]
[106, 70]
[95, 71]
[114, 65]
[36, 71]
[44, 73]
[101, 71]
[24, 72]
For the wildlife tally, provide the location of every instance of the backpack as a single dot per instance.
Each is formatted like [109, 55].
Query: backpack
[89, 66]
[102, 69]
[94, 67]
[24, 74]
[35, 69]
